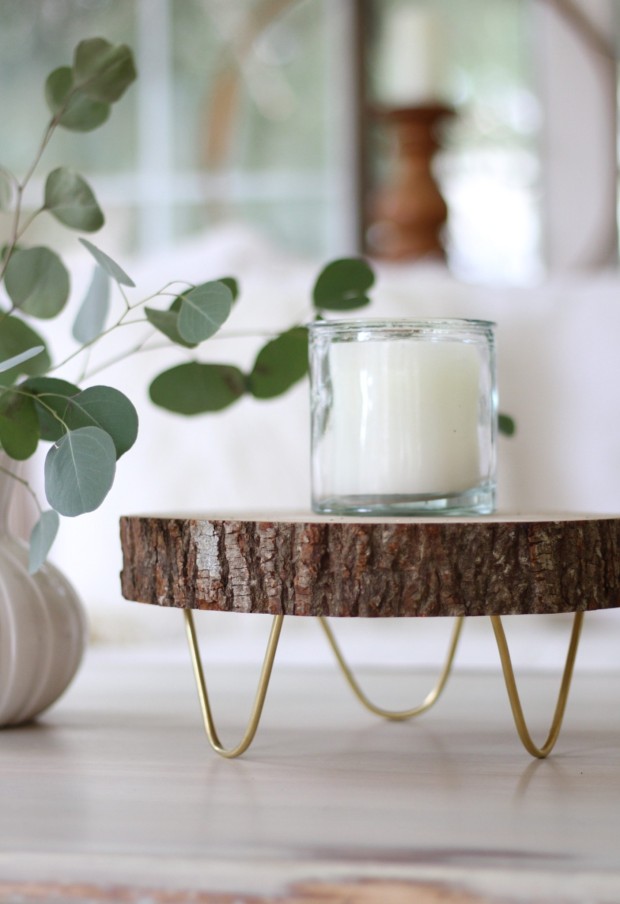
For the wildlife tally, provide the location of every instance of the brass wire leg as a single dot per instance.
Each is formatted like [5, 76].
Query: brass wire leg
[513, 693]
[395, 715]
[261, 691]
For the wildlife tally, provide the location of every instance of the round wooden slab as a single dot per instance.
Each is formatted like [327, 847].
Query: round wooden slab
[374, 567]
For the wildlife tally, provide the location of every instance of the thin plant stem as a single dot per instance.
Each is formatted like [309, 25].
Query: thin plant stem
[49, 131]
[82, 376]
[16, 390]
[28, 223]
[136, 349]
[20, 187]
[88, 345]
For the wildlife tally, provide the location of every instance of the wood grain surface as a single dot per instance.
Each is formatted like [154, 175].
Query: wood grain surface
[114, 792]
[373, 568]
[385, 891]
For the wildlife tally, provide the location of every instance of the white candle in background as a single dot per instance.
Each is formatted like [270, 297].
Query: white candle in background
[404, 418]
[410, 57]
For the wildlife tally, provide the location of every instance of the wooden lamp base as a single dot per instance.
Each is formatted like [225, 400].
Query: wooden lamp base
[407, 215]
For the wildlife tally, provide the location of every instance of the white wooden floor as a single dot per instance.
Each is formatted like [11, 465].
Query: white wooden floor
[115, 796]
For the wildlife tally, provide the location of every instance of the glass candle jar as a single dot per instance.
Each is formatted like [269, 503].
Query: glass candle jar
[404, 416]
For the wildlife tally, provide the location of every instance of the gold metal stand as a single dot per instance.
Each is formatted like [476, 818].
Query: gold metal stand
[261, 691]
[395, 715]
[513, 693]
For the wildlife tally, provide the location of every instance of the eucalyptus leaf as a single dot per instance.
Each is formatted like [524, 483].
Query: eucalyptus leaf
[79, 471]
[506, 425]
[342, 285]
[167, 322]
[70, 199]
[17, 337]
[106, 263]
[196, 388]
[72, 108]
[108, 409]
[50, 397]
[6, 190]
[203, 311]
[42, 538]
[37, 282]
[103, 71]
[92, 315]
[229, 281]
[21, 358]
[19, 425]
[279, 364]
[232, 284]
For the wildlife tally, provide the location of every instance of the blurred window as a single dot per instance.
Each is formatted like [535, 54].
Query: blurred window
[243, 111]
[476, 57]
[234, 115]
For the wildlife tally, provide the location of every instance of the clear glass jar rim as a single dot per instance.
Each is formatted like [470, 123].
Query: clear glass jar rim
[414, 323]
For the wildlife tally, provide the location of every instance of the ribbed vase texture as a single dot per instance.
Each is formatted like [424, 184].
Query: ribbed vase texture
[42, 628]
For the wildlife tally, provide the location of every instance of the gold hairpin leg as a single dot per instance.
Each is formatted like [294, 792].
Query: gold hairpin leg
[513, 693]
[259, 700]
[395, 715]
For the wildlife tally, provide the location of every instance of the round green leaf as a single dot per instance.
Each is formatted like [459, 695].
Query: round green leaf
[229, 281]
[50, 398]
[19, 425]
[41, 539]
[37, 282]
[280, 364]
[103, 71]
[108, 265]
[17, 337]
[506, 425]
[79, 471]
[70, 199]
[196, 388]
[167, 322]
[108, 409]
[342, 285]
[93, 312]
[73, 109]
[232, 284]
[203, 311]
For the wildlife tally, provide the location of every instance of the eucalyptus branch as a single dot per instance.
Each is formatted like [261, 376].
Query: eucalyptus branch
[87, 353]
[90, 428]
[16, 232]
[28, 222]
[49, 131]
[27, 393]
[135, 350]
[129, 308]
[92, 342]
[140, 347]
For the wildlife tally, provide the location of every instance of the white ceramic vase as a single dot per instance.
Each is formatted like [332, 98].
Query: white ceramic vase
[43, 627]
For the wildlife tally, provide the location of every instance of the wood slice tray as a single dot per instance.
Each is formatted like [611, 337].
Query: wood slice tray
[309, 565]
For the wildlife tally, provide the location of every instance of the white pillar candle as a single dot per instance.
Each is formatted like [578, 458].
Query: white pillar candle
[410, 57]
[404, 418]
